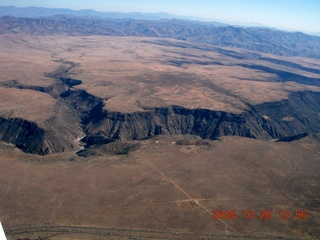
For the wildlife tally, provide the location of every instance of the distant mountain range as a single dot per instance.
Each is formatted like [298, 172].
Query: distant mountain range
[37, 12]
[42, 21]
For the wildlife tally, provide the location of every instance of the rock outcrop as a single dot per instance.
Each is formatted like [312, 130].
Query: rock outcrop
[23, 134]
[276, 120]
[79, 114]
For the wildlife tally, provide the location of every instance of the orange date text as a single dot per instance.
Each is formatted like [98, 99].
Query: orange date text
[260, 214]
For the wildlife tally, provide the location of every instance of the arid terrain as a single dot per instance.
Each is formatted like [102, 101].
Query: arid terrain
[171, 185]
[139, 137]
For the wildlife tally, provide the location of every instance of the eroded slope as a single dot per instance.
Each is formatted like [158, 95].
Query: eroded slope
[130, 88]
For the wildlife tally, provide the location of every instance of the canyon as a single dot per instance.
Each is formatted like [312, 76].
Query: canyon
[141, 129]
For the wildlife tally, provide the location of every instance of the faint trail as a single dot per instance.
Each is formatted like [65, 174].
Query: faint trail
[154, 204]
[184, 192]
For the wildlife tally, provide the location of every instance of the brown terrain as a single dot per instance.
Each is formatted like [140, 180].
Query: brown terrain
[173, 131]
[165, 190]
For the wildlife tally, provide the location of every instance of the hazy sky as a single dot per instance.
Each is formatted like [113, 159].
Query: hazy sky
[301, 15]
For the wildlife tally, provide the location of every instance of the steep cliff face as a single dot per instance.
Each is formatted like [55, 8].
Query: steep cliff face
[60, 132]
[88, 106]
[168, 121]
[62, 129]
[23, 134]
[298, 115]
[79, 113]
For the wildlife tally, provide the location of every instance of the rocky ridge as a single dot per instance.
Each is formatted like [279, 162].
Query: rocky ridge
[255, 39]
[285, 120]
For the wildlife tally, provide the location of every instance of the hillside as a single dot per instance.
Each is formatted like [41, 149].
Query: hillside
[171, 87]
[135, 129]
[256, 39]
